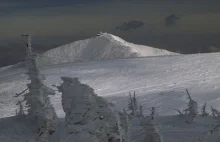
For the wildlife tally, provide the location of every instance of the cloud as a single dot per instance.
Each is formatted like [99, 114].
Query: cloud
[92, 18]
[171, 20]
[131, 25]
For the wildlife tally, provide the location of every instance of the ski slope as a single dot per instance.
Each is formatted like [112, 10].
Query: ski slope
[158, 81]
[102, 47]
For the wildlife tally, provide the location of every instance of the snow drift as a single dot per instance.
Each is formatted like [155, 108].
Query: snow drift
[102, 47]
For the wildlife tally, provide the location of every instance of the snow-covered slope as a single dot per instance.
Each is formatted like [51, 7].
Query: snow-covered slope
[158, 82]
[102, 47]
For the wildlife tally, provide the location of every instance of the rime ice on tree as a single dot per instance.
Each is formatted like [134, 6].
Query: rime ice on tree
[37, 100]
[215, 112]
[204, 112]
[147, 129]
[151, 128]
[133, 106]
[192, 110]
[88, 116]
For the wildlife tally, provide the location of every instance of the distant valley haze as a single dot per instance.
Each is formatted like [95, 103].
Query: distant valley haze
[178, 26]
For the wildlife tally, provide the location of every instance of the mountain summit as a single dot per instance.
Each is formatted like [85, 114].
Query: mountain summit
[102, 47]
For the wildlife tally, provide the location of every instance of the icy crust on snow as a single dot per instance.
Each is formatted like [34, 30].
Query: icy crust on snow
[102, 47]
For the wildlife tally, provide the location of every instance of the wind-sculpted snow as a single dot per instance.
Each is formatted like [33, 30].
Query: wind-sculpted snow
[103, 47]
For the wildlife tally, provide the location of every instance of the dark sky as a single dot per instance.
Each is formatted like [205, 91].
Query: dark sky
[188, 26]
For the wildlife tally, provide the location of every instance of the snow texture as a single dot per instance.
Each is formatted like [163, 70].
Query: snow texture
[159, 82]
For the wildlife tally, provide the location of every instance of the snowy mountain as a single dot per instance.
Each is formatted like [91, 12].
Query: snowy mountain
[103, 46]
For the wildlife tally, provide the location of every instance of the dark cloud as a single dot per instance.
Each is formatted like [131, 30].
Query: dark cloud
[171, 20]
[131, 25]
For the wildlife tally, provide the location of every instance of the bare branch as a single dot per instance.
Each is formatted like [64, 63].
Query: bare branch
[179, 111]
[188, 94]
[18, 94]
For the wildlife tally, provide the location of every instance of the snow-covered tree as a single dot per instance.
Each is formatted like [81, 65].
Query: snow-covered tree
[151, 128]
[141, 111]
[215, 112]
[127, 127]
[37, 99]
[204, 112]
[88, 116]
[153, 113]
[133, 106]
[21, 109]
[192, 110]
[140, 128]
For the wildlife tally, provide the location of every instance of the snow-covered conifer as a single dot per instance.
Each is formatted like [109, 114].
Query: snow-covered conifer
[151, 129]
[215, 112]
[21, 109]
[192, 110]
[127, 128]
[136, 120]
[141, 111]
[153, 113]
[133, 106]
[135, 102]
[37, 99]
[204, 112]
[88, 116]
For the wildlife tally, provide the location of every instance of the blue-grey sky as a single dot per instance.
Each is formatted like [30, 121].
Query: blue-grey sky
[70, 17]
[185, 25]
